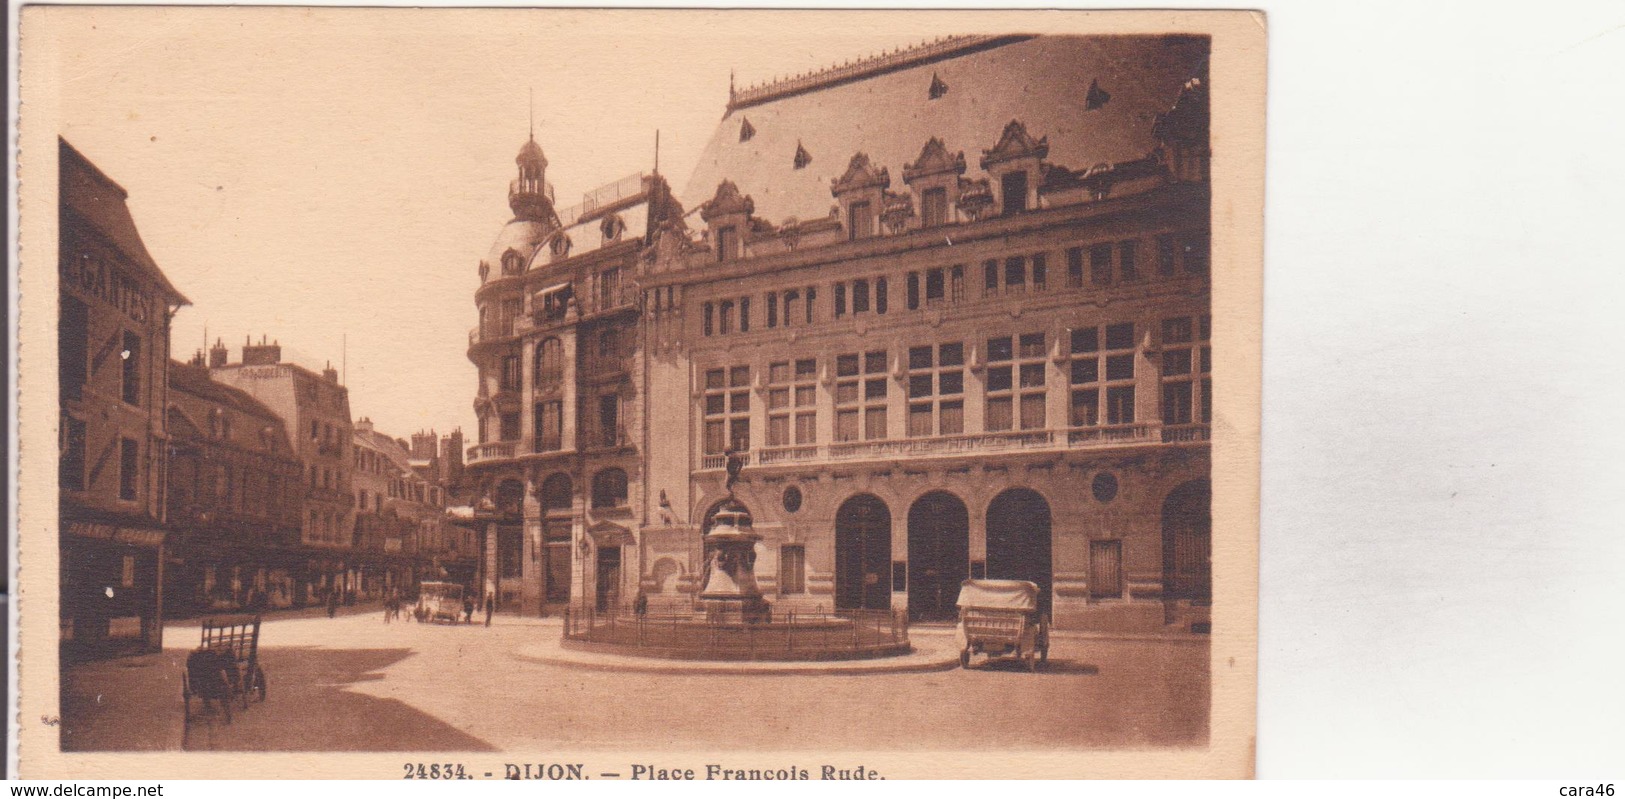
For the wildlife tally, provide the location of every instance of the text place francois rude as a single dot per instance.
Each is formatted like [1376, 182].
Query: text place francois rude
[635, 771]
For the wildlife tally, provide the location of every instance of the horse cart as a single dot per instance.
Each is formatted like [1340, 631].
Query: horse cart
[440, 602]
[1001, 618]
[225, 668]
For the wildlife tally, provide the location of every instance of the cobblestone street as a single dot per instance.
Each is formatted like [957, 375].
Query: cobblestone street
[356, 684]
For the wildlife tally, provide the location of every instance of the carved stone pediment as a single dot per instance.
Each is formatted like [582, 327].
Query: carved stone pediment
[1015, 143]
[860, 175]
[727, 201]
[934, 160]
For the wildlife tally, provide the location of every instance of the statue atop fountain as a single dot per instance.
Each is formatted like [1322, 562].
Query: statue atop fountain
[728, 593]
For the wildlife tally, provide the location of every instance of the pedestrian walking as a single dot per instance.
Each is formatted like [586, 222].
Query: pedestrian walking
[332, 603]
[490, 606]
[468, 610]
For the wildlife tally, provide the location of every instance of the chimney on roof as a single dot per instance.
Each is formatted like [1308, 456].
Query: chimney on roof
[363, 425]
[261, 354]
[218, 355]
[331, 374]
[197, 359]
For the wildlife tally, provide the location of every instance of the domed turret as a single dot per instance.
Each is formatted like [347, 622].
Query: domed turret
[529, 196]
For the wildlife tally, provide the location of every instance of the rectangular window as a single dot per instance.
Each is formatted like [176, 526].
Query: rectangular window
[1196, 254]
[812, 298]
[1176, 402]
[725, 318]
[862, 221]
[510, 373]
[705, 325]
[860, 397]
[1120, 405]
[956, 283]
[73, 346]
[1040, 272]
[933, 286]
[72, 467]
[744, 314]
[990, 277]
[1105, 569]
[880, 295]
[1179, 400]
[1166, 255]
[792, 399]
[129, 477]
[727, 410]
[860, 296]
[549, 426]
[1015, 275]
[1100, 264]
[1074, 268]
[936, 387]
[609, 419]
[912, 291]
[1014, 194]
[510, 427]
[1126, 266]
[790, 298]
[131, 372]
[792, 569]
[840, 300]
[727, 243]
[772, 310]
[934, 207]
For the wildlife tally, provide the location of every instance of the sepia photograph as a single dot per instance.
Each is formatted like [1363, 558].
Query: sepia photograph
[533, 394]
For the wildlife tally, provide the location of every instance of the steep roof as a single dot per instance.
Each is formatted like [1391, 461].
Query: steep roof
[887, 110]
[195, 380]
[93, 197]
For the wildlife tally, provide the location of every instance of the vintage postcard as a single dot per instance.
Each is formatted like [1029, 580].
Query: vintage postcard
[586, 394]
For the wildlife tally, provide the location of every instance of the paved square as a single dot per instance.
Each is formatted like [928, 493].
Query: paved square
[356, 684]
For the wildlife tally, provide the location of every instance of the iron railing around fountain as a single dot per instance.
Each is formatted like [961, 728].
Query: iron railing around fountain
[676, 631]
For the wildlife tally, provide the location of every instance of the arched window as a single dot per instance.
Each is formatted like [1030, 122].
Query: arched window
[609, 489]
[556, 493]
[549, 362]
[512, 264]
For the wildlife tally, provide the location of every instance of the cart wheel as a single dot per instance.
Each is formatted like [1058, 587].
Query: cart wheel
[259, 682]
[964, 658]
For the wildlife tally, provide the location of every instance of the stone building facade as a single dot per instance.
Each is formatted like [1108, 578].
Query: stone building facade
[315, 409]
[236, 498]
[995, 365]
[115, 307]
[557, 463]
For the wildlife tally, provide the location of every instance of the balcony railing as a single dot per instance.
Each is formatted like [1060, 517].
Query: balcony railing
[1007, 441]
[721, 461]
[493, 450]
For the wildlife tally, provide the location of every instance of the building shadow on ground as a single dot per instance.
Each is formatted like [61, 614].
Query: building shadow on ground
[134, 704]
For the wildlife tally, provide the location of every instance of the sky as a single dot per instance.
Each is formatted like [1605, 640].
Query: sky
[331, 178]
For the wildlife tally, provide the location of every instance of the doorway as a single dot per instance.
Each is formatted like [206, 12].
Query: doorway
[938, 555]
[609, 577]
[863, 554]
[1018, 540]
[1187, 543]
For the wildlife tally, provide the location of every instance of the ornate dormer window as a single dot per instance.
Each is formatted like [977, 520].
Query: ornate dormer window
[860, 192]
[612, 227]
[1014, 165]
[727, 216]
[560, 246]
[935, 177]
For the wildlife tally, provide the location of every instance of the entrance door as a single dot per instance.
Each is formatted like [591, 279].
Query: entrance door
[609, 576]
[938, 555]
[1187, 543]
[1018, 540]
[863, 554]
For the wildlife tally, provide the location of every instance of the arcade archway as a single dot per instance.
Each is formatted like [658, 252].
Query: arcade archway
[863, 554]
[938, 555]
[1018, 540]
